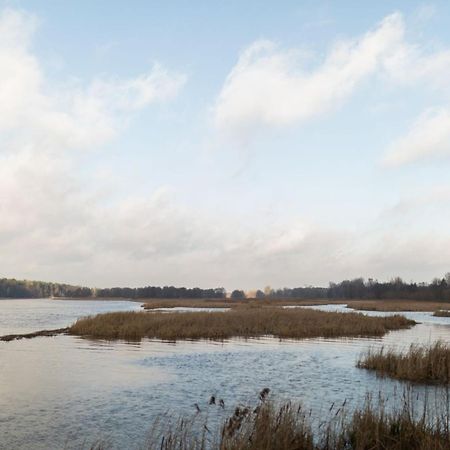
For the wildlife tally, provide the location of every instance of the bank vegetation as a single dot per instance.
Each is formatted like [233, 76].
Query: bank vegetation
[420, 363]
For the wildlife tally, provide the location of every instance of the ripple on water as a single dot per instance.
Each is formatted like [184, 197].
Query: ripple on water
[63, 389]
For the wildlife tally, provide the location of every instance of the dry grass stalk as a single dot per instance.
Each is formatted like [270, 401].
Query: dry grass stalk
[289, 427]
[239, 322]
[442, 313]
[421, 364]
[231, 303]
[396, 305]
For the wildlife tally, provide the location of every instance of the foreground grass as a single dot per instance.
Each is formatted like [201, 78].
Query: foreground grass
[289, 427]
[240, 322]
[419, 364]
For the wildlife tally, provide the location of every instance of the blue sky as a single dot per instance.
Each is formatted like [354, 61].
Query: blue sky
[236, 144]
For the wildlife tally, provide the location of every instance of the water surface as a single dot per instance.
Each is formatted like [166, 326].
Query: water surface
[56, 392]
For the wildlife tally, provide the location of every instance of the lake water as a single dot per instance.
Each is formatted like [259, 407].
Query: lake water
[64, 391]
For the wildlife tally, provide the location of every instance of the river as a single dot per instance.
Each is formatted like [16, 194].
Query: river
[66, 391]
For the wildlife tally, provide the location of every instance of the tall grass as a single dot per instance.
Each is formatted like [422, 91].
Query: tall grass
[290, 427]
[396, 305]
[442, 313]
[421, 364]
[230, 303]
[240, 322]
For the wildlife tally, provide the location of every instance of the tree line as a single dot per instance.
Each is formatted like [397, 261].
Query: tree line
[358, 288]
[12, 288]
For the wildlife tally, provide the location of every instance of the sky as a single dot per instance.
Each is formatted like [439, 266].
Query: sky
[235, 144]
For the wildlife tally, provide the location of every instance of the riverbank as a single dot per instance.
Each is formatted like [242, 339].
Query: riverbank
[396, 305]
[41, 333]
[240, 322]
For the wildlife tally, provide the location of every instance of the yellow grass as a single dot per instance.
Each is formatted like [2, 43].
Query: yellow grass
[419, 364]
[229, 303]
[239, 322]
[358, 304]
[396, 305]
[442, 313]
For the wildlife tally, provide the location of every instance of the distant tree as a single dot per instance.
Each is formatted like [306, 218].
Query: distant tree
[259, 294]
[447, 278]
[237, 294]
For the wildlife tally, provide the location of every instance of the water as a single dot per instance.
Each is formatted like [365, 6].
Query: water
[25, 316]
[60, 392]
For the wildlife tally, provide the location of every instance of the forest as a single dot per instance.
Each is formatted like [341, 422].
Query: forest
[358, 288]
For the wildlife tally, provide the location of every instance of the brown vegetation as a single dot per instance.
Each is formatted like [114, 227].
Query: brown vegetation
[396, 305]
[47, 333]
[289, 427]
[239, 322]
[419, 364]
[156, 303]
[442, 313]
[361, 305]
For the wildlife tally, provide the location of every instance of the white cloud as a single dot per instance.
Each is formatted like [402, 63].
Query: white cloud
[66, 116]
[270, 87]
[53, 227]
[428, 137]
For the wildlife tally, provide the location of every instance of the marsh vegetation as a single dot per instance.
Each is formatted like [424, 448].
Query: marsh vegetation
[244, 322]
[289, 426]
[397, 305]
[442, 313]
[421, 363]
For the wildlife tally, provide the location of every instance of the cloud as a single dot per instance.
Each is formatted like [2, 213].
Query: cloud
[271, 87]
[71, 115]
[55, 226]
[429, 136]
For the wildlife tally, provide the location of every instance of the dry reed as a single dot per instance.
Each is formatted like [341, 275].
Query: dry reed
[240, 322]
[396, 305]
[442, 313]
[289, 427]
[421, 364]
[231, 303]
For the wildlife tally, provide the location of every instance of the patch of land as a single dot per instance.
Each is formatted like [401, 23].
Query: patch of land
[46, 333]
[442, 313]
[396, 305]
[421, 364]
[244, 322]
[229, 303]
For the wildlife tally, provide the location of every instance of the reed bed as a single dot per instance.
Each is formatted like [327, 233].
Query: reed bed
[289, 427]
[230, 303]
[240, 322]
[442, 313]
[421, 364]
[396, 305]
